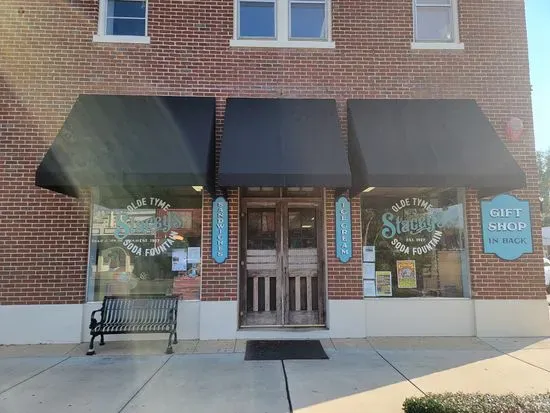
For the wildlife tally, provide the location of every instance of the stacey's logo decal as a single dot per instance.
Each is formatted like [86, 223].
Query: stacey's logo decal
[412, 226]
[162, 220]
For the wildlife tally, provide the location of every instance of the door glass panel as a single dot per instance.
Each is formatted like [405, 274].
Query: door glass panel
[261, 230]
[302, 228]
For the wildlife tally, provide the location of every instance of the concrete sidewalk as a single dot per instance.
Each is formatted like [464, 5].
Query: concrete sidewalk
[374, 375]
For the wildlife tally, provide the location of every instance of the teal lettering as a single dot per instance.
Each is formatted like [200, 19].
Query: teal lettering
[388, 230]
[122, 229]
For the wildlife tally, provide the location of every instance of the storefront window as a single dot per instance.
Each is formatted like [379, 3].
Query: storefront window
[414, 243]
[146, 244]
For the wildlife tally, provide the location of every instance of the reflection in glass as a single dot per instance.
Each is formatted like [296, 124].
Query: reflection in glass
[261, 229]
[302, 228]
[434, 24]
[126, 18]
[308, 20]
[256, 19]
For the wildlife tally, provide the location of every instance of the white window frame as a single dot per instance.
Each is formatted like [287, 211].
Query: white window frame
[282, 28]
[102, 35]
[427, 44]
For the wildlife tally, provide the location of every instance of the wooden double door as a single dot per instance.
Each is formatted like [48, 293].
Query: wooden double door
[282, 264]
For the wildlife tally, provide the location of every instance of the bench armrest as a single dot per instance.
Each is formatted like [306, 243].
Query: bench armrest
[93, 321]
[174, 315]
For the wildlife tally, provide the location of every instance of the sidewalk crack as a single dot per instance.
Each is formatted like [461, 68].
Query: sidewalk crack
[144, 384]
[397, 370]
[34, 375]
[287, 388]
[514, 357]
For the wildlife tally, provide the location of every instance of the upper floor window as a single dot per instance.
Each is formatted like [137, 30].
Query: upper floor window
[282, 23]
[256, 19]
[122, 21]
[436, 21]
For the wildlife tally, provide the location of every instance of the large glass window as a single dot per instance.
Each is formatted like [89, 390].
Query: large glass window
[146, 243]
[414, 243]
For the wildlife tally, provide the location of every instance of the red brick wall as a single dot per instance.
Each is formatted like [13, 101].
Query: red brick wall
[48, 58]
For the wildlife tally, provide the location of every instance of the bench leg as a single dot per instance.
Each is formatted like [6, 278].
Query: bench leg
[91, 350]
[175, 337]
[102, 341]
[169, 349]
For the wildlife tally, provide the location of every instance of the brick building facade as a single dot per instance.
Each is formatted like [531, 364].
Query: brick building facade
[49, 58]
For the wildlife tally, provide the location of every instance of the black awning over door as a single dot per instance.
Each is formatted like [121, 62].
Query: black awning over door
[117, 141]
[282, 143]
[427, 143]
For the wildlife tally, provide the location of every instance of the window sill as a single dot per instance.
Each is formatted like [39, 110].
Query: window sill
[121, 39]
[290, 44]
[436, 46]
[426, 298]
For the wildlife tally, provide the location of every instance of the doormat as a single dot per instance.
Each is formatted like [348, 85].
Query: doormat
[284, 350]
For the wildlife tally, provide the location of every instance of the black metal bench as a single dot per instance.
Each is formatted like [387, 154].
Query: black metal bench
[135, 315]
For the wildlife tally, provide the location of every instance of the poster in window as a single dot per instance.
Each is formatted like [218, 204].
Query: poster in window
[193, 270]
[179, 259]
[194, 255]
[406, 274]
[369, 288]
[383, 284]
[368, 270]
[368, 253]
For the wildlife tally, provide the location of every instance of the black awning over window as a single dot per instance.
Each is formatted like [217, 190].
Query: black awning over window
[117, 141]
[428, 143]
[283, 143]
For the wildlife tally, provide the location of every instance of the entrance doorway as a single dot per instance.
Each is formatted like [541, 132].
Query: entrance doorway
[282, 279]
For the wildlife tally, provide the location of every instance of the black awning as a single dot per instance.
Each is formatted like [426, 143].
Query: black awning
[428, 143]
[282, 143]
[119, 141]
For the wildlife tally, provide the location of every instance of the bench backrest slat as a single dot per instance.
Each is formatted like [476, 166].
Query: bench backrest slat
[139, 310]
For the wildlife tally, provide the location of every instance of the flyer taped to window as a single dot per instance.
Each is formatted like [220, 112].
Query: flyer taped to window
[383, 284]
[406, 274]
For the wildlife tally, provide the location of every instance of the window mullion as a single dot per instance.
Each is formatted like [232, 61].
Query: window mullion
[102, 20]
[282, 23]
[146, 17]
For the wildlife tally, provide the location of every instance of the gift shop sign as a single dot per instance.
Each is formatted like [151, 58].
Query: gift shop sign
[343, 229]
[220, 230]
[506, 223]
[128, 224]
[412, 227]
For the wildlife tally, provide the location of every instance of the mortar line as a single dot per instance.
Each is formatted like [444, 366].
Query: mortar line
[144, 384]
[287, 388]
[396, 369]
[34, 375]
[514, 357]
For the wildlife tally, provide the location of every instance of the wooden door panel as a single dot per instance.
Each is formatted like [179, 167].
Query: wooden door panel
[261, 267]
[303, 272]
